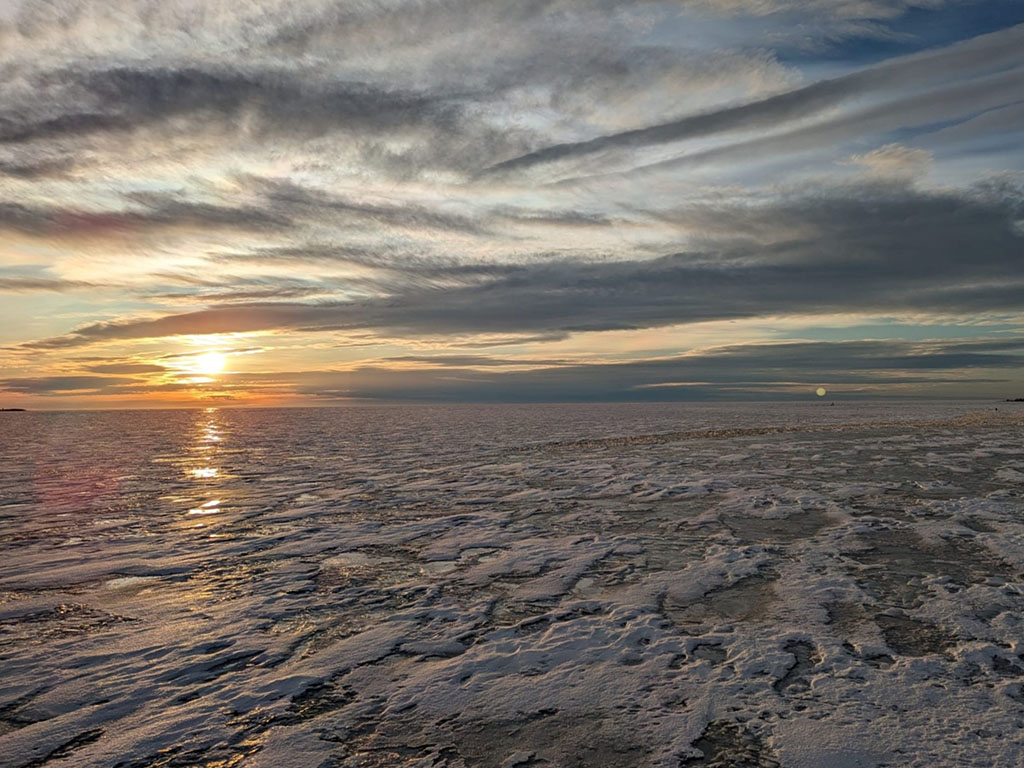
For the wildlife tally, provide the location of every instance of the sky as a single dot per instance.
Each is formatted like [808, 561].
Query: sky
[301, 202]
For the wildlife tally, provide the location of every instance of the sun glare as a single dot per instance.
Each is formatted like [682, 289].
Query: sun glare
[210, 363]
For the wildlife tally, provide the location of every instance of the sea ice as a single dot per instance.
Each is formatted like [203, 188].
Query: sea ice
[648, 586]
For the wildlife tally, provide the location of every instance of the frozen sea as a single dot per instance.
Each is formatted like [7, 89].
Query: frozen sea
[607, 586]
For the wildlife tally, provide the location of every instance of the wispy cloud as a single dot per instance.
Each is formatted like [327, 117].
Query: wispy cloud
[806, 253]
[986, 58]
[417, 181]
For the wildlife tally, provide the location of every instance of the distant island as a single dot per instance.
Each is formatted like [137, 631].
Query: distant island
[1015, 400]
[11, 409]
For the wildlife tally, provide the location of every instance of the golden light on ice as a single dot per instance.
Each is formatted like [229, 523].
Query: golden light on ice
[821, 391]
[210, 363]
[209, 508]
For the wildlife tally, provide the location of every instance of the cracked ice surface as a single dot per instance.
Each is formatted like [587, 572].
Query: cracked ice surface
[656, 585]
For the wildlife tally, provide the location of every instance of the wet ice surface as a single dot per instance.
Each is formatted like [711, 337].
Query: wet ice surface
[785, 585]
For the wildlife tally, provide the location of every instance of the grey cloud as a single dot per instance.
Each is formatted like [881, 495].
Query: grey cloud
[157, 212]
[461, 109]
[273, 205]
[164, 208]
[72, 102]
[226, 288]
[923, 251]
[30, 168]
[17, 284]
[844, 13]
[751, 370]
[272, 291]
[765, 370]
[912, 110]
[381, 255]
[299, 89]
[146, 211]
[46, 385]
[979, 56]
[540, 338]
[280, 193]
[390, 269]
[998, 124]
[562, 218]
[232, 351]
[571, 60]
[125, 368]
[459, 361]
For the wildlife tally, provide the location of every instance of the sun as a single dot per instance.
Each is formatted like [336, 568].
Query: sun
[210, 363]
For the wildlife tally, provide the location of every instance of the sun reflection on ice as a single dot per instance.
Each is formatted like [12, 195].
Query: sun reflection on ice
[208, 436]
[209, 508]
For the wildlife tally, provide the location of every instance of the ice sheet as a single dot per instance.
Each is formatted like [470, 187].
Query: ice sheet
[497, 586]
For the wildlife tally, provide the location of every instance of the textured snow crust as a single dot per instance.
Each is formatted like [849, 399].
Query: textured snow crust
[651, 586]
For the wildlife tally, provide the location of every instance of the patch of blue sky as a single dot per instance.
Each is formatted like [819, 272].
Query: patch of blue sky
[983, 148]
[915, 30]
[44, 313]
[25, 270]
[999, 127]
[989, 140]
[690, 30]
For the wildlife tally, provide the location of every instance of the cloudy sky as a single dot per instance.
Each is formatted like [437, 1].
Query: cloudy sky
[305, 201]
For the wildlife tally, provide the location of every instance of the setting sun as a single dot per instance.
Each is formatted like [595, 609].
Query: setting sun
[210, 363]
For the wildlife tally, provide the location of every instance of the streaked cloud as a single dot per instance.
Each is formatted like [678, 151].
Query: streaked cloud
[798, 253]
[766, 370]
[375, 190]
